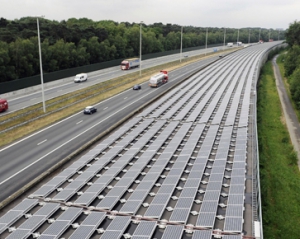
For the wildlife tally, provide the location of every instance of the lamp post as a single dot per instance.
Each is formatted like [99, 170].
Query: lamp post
[238, 36]
[141, 48]
[259, 35]
[41, 65]
[249, 37]
[181, 43]
[224, 38]
[206, 40]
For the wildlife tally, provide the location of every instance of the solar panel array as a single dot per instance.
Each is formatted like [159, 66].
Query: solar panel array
[176, 169]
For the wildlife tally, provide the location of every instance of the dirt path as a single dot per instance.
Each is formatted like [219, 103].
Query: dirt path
[289, 113]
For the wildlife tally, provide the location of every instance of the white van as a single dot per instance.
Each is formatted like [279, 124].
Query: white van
[80, 77]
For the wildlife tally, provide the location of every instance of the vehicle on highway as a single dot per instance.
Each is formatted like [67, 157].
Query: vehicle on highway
[89, 110]
[80, 77]
[159, 79]
[137, 87]
[3, 105]
[230, 44]
[130, 63]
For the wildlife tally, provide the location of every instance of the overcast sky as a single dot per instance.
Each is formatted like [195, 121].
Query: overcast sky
[198, 13]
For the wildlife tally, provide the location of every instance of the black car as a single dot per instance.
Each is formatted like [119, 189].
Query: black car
[89, 110]
[137, 87]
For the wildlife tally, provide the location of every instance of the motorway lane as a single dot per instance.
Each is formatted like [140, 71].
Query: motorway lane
[67, 85]
[26, 159]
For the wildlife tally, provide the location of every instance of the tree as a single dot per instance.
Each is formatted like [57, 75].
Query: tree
[293, 34]
[292, 60]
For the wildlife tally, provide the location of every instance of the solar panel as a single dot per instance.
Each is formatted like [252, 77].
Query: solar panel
[112, 234]
[57, 228]
[25, 205]
[19, 233]
[232, 237]
[180, 215]
[234, 211]
[94, 219]
[233, 224]
[32, 223]
[173, 232]
[145, 229]
[119, 223]
[155, 210]
[48, 209]
[11, 217]
[202, 234]
[108, 202]
[83, 232]
[130, 207]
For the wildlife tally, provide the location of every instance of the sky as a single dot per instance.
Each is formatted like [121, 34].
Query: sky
[275, 14]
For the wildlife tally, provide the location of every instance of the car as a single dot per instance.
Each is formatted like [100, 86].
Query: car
[137, 87]
[89, 110]
[80, 77]
[3, 105]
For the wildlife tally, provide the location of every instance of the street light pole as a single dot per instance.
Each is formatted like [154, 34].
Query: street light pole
[259, 35]
[224, 38]
[249, 37]
[181, 43]
[238, 36]
[41, 66]
[141, 48]
[206, 40]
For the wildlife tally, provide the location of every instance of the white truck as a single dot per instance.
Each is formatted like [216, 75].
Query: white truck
[159, 79]
[130, 63]
[230, 44]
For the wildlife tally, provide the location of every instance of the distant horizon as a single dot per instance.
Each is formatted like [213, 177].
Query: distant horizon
[119, 22]
[236, 14]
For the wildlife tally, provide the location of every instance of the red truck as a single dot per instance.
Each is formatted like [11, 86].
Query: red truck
[130, 63]
[159, 79]
[3, 105]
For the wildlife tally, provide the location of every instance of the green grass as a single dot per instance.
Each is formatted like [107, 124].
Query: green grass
[280, 177]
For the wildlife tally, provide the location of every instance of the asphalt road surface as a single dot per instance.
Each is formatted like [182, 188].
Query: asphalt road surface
[26, 159]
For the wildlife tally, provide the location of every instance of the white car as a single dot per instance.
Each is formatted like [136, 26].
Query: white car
[80, 77]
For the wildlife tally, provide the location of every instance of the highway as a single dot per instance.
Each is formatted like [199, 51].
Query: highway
[184, 167]
[64, 86]
[26, 159]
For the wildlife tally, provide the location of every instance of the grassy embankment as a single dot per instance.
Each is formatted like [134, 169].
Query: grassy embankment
[280, 177]
[108, 89]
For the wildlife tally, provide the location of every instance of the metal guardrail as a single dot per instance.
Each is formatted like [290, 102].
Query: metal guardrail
[256, 197]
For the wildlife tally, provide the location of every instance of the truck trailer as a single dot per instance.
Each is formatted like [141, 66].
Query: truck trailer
[159, 79]
[130, 63]
[3, 105]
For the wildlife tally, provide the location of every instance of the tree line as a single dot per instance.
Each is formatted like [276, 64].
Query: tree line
[292, 60]
[78, 42]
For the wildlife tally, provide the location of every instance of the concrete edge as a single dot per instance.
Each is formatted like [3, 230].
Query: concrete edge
[91, 142]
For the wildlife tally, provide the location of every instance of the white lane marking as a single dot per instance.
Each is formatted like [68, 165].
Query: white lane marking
[105, 108]
[125, 98]
[79, 122]
[50, 126]
[36, 161]
[42, 142]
